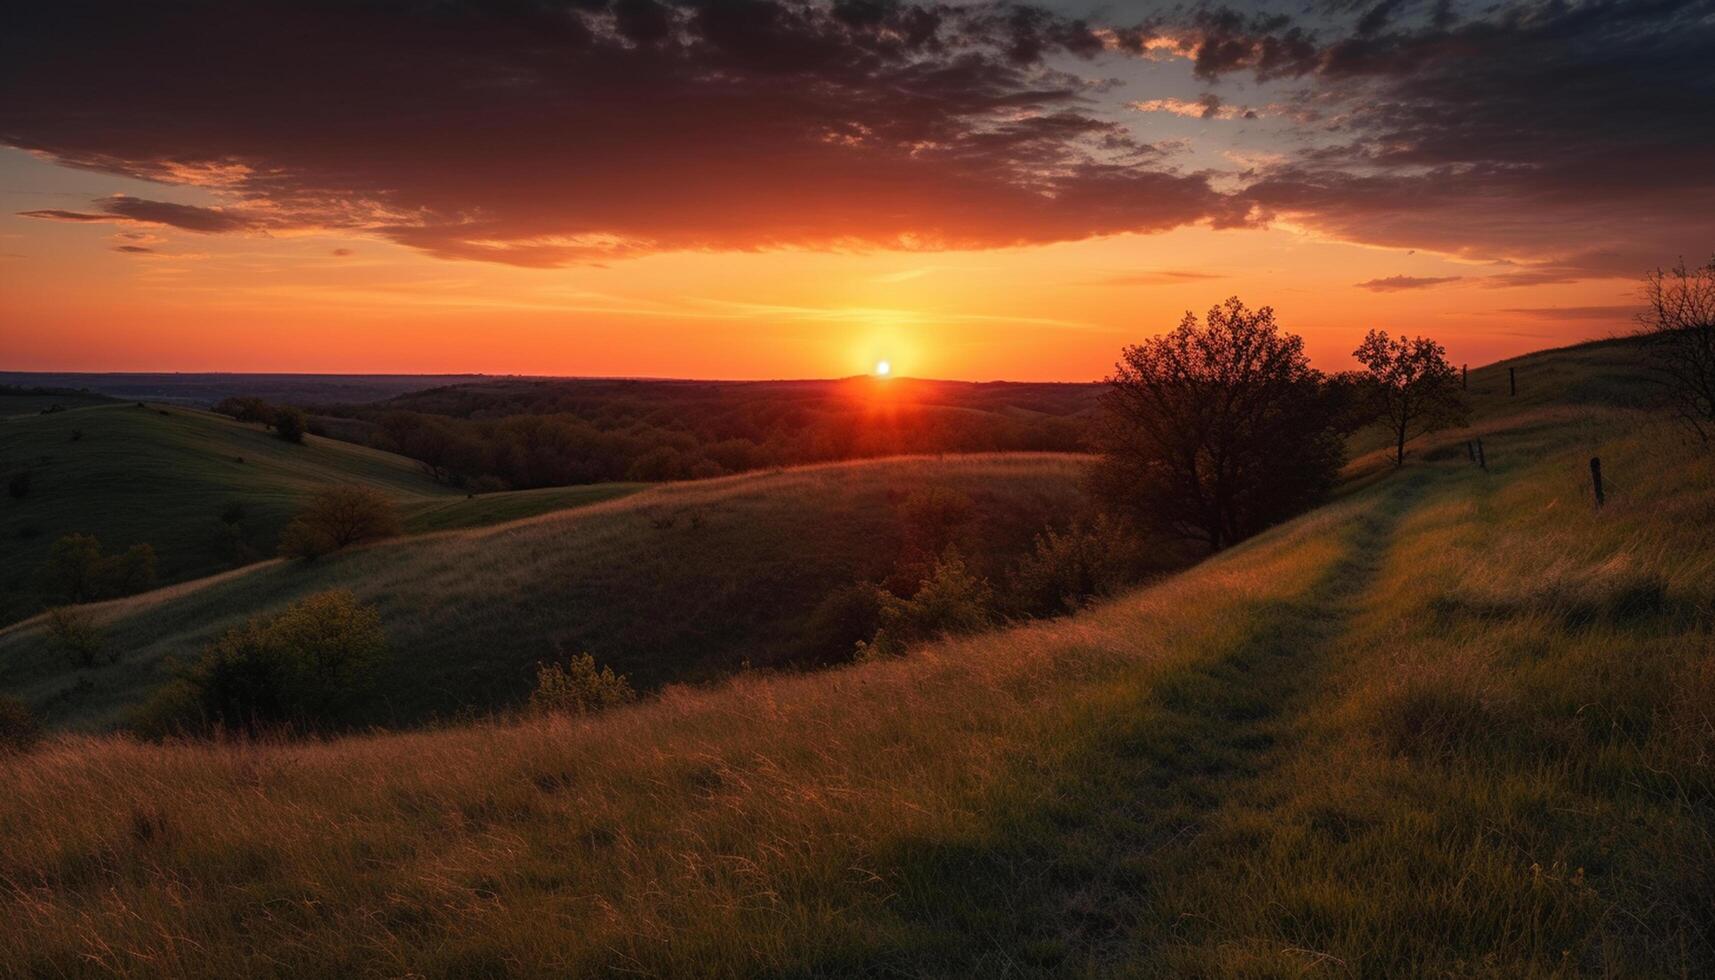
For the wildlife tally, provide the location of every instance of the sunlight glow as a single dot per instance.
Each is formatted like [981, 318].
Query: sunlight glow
[883, 369]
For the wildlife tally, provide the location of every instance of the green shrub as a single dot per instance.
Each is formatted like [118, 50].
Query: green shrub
[1068, 568]
[950, 601]
[337, 517]
[578, 687]
[77, 571]
[18, 728]
[305, 668]
[78, 637]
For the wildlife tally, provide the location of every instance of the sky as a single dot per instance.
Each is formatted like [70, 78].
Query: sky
[772, 188]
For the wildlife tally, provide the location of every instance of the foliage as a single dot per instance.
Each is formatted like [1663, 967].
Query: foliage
[1680, 327]
[304, 668]
[82, 641]
[1069, 567]
[19, 730]
[77, 571]
[951, 601]
[338, 517]
[290, 424]
[1215, 431]
[1415, 390]
[578, 687]
[247, 409]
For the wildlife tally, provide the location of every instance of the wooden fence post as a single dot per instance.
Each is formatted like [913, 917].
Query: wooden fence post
[1596, 480]
[1464, 376]
[1482, 461]
[1512, 381]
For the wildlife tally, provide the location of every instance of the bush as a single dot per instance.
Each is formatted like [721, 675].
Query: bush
[78, 637]
[951, 601]
[1068, 568]
[19, 485]
[305, 668]
[290, 424]
[578, 687]
[18, 729]
[338, 517]
[246, 409]
[77, 571]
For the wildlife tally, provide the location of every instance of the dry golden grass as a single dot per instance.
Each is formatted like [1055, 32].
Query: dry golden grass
[1458, 723]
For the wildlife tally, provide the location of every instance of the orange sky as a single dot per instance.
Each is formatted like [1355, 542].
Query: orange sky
[1010, 192]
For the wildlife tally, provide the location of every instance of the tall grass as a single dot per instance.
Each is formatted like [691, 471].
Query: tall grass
[1456, 723]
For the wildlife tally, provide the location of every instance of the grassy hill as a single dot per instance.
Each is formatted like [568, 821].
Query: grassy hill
[1456, 723]
[680, 582]
[164, 477]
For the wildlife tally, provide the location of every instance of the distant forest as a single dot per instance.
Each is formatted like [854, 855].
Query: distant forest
[519, 434]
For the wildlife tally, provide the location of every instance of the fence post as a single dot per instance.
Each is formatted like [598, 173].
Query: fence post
[1596, 480]
[1470, 450]
[1482, 461]
[1512, 381]
[1464, 375]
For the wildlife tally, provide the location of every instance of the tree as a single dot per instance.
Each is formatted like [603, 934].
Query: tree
[337, 517]
[290, 423]
[1680, 327]
[78, 637]
[578, 687]
[1214, 431]
[77, 571]
[1415, 390]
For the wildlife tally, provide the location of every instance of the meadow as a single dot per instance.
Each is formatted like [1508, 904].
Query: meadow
[680, 582]
[1457, 722]
[205, 492]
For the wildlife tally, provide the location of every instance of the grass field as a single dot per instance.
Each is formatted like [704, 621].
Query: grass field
[1455, 723]
[163, 476]
[682, 582]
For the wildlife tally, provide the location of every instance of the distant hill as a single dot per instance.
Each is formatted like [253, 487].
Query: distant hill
[204, 389]
[680, 582]
[1456, 723]
[176, 478]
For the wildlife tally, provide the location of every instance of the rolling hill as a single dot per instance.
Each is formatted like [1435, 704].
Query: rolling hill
[1455, 723]
[169, 477]
[679, 582]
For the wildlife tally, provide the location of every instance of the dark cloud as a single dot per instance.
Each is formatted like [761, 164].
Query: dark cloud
[1395, 284]
[343, 252]
[58, 214]
[539, 133]
[134, 249]
[1538, 130]
[123, 209]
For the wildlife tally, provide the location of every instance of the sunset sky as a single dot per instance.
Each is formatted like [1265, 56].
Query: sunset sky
[778, 189]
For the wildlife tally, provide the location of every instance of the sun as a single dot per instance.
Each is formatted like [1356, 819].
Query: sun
[883, 369]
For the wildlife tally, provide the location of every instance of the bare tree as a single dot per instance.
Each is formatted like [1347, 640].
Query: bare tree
[1215, 431]
[1415, 390]
[1680, 327]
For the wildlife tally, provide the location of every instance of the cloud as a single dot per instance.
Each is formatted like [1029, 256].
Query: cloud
[1612, 313]
[1208, 106]
[1161, 277]
[342, 252]
[1394, 284]
[596, 130]
[58, 214]
[121, 209]
[134, 249]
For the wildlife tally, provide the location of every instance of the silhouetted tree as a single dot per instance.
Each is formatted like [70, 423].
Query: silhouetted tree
[337, 517]
[1415, 390]
[1680, 327]
[1217, 430]
[290, 423]
[77, 571]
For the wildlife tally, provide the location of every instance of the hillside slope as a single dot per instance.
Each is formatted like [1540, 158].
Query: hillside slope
[680, 582]
[132, 474]
[1456, 723]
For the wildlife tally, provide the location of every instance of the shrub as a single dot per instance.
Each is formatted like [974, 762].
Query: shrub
[19, 485]
[338, 517]
[578, 687]
[18, 729]
[1068, 568]
[77, 571]
[305, 668]
[950, 601]
[246, 409]
[290, 424]
[78, 637]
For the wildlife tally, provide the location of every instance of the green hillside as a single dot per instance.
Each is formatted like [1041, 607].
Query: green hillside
[1456, 723]
[165, 476]
[682, 582]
